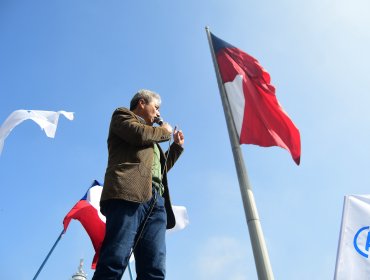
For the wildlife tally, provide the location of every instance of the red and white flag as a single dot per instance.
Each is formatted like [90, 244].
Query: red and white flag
[87, 211]
[258, 117]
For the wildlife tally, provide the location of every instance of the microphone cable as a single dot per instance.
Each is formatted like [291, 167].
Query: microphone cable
[142, 226]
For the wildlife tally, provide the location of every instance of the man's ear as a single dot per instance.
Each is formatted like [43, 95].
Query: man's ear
[141, 103]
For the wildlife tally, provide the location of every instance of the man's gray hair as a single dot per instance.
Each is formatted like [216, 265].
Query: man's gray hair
[146, 95]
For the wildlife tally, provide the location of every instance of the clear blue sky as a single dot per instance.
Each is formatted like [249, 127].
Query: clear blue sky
[90, 57]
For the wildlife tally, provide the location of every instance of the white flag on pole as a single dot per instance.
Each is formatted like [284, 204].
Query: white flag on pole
[353, 260]
[47, 120]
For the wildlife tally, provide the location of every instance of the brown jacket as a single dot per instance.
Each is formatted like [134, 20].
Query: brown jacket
[130, 158]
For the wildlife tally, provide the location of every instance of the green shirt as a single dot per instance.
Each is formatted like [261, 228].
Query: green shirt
[156, 170]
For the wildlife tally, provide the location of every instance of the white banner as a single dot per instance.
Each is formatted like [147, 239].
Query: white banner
[181, 216]
[47, 120]
[353, 261]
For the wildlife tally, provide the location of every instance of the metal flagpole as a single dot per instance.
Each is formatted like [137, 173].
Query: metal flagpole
[260, 253]
[48, 255]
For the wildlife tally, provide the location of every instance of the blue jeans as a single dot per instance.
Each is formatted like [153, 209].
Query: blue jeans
[123, 225]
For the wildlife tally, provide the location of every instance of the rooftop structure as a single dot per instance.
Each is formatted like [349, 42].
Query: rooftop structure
[80, 274]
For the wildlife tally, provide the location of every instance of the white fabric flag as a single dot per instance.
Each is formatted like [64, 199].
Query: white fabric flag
[47, 120]
[181, 216]
[353, 262]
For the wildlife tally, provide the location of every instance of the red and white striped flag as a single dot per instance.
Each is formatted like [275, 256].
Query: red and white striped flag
[258, 117]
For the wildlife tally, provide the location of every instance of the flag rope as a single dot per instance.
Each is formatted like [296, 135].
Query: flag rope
[129, 270]
[142, 226]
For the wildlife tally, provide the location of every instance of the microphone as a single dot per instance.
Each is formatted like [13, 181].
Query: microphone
[158, 120]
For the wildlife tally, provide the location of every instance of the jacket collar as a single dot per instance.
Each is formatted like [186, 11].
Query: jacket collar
[140, 119]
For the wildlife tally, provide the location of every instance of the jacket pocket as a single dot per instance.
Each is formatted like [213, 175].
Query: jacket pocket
[123, 170]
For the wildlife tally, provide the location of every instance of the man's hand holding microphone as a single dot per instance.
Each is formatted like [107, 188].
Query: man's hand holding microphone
[178, 136]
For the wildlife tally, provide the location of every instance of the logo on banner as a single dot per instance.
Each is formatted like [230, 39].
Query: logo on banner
[362, 249]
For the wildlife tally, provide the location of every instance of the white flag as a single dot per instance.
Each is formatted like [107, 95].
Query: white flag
[181, 216]
[353, 261]
[47, 120]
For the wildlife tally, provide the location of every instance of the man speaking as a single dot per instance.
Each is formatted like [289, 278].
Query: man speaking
[135, 197]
